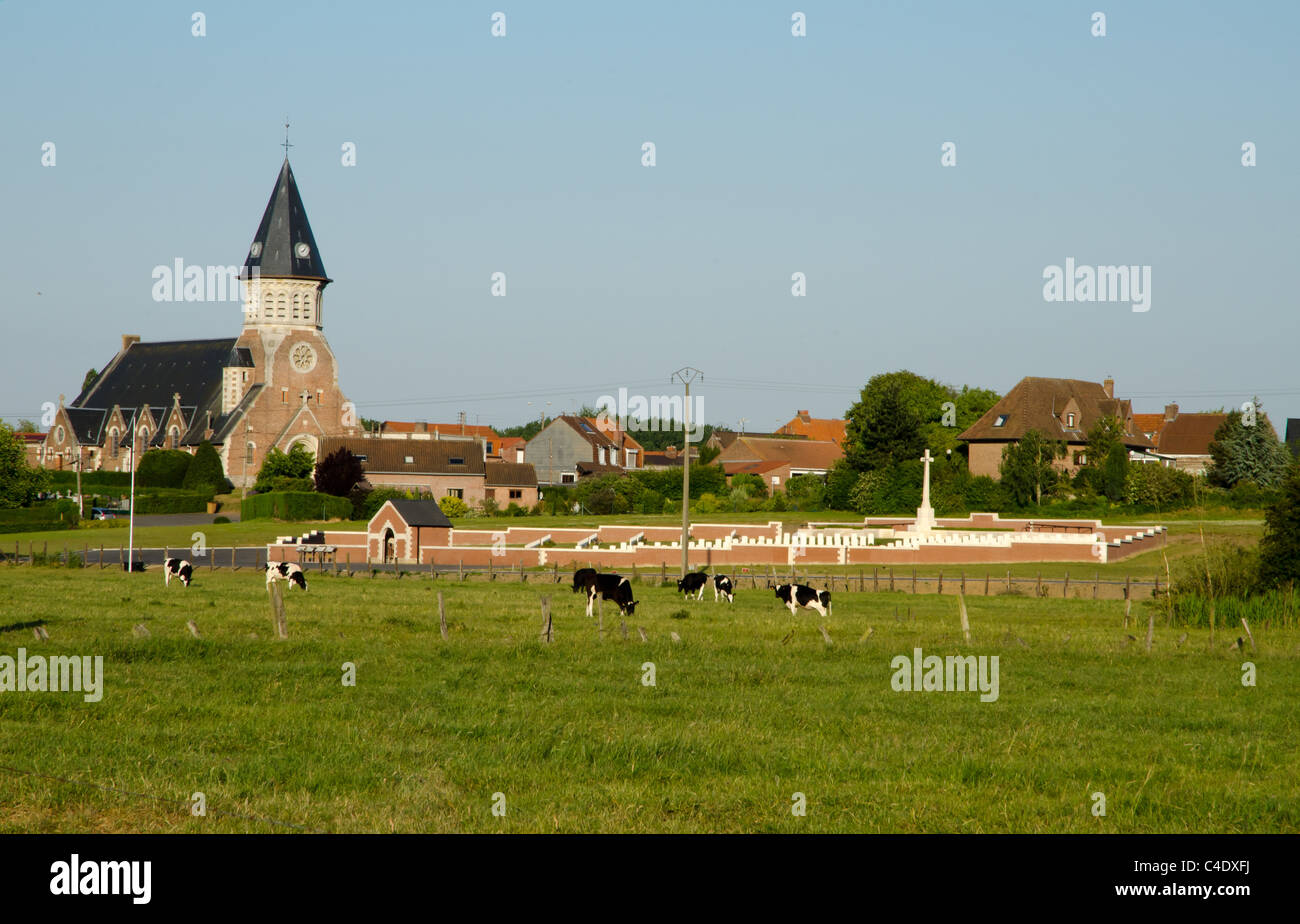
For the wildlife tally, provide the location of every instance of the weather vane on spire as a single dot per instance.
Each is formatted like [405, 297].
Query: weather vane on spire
[286, 144]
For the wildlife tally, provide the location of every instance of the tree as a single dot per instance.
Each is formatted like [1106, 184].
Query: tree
[27, 426]
[19, 482]
[885, 425]
[840, 481]
[339, 472]
[1027, 469]
[1114, 473]
[205, 472]
[753, 484]
[1247, 449]
[1105, 435]
[295, 464]
[1279, 549]
[89, 379]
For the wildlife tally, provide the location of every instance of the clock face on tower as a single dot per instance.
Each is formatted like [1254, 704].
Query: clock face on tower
[303, 357]
[303, 250]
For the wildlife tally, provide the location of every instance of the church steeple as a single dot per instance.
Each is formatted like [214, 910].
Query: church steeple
[284, 275]
[284, 247]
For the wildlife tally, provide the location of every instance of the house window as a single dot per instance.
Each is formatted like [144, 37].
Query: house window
[1001, 421]
[59, 434]
[174, 436]
[567, 478]
[489, 447]
[410, 460]
[1080, 458]
[516, 494]
[776, 480]
[1069, 421]
[456, 492]
[113, 439]
[602, 455]
[456, 460]
[248, 454]
[284, 395]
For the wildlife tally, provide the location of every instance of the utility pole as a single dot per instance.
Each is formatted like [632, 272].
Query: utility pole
[686, 376]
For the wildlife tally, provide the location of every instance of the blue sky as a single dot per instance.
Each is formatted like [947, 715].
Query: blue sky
[775, 154]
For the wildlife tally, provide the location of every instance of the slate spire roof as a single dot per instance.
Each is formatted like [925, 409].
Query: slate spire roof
[284, 245]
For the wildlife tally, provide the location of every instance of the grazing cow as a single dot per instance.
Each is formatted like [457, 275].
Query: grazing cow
[610, 587]
[582, 578]
[693, 584]
[801, 595]
[178, 567]
[285, 571]
[723, 587]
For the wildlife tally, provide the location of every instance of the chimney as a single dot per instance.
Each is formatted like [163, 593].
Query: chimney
[1109, 386]
[461, 421]
[804, 416]
[1171, 411]
[422, 427]
[128, 339]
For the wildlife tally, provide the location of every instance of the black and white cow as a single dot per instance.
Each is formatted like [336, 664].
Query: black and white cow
[801, 595]
[285, 571]
[693, 584]
[178, 568]
[608, 587]
[722, 587]
[582, 578]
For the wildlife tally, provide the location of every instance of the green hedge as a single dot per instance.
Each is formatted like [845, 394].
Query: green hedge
[90, 481]
[62, 515]
[171, 502]
[295, 505]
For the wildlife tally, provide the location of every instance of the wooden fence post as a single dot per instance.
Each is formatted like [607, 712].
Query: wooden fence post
[1065, 591]
[442, 615]
[1038, 585]
[891, 579]
[277, 609]
[986, 583]
[1151, 627]
[1096, 582]
[101, 556]
[546, 618]
[965, 622]
[913, 580]
[1128, 587]
[1008, 581]
[940, 581]
[875, 578]
[460, 570]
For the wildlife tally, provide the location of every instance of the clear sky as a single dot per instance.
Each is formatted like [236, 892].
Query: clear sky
[775, 155]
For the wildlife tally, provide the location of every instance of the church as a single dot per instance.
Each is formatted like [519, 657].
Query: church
[273, 386]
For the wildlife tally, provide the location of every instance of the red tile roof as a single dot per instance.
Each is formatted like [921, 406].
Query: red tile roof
[816, 428]
[1189, 434]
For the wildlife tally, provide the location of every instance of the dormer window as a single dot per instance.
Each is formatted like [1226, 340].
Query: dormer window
[457, 460]
[1001, 421]
[1069, 421]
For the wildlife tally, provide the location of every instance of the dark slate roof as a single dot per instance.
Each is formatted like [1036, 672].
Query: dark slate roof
[87, 424]
[1293, 435]
[240, 358]
[284, 226]
[150, 373]
[221, 426]
[421, 512]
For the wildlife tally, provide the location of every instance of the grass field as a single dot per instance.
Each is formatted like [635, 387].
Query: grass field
[749, 707]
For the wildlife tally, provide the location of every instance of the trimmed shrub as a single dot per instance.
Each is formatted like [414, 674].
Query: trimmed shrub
[205, 472]
[60, 515]
[162, 468]
[453, 506]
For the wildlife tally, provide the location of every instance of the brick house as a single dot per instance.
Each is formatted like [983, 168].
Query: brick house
[510, 483]
[442, 431]
[825, 429]
[777, 460]
[1060, 409]
[1183, 440]
[569, 448]
[273, 386]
